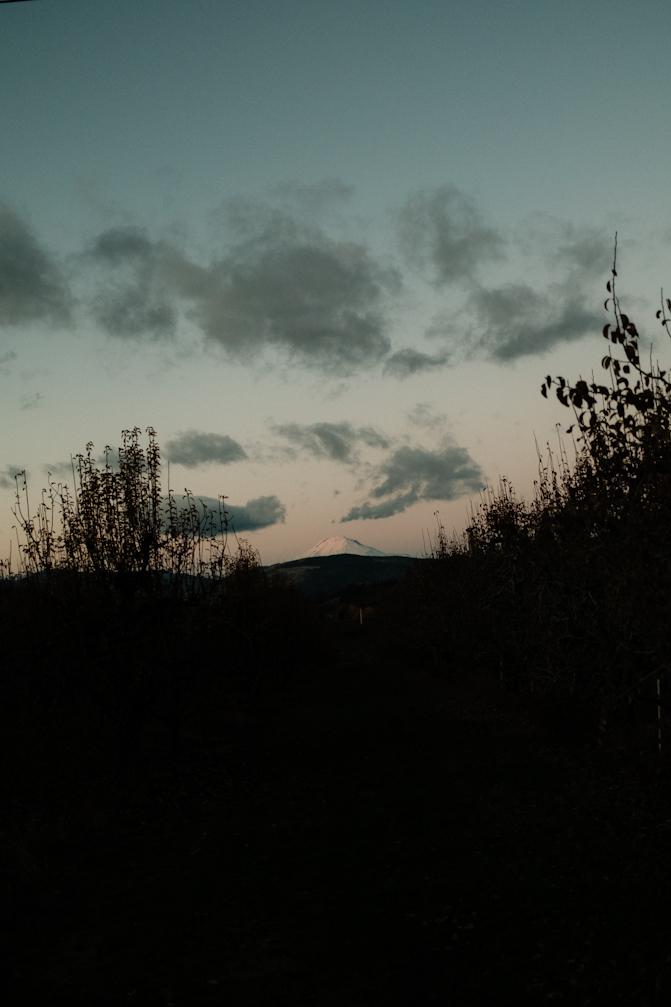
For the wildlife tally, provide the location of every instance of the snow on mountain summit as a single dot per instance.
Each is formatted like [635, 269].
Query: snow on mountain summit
[338, 545]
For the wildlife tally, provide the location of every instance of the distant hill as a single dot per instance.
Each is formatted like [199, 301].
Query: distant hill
[323, 577]
[338, 545]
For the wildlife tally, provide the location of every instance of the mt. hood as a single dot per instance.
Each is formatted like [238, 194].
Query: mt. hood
[338, 546]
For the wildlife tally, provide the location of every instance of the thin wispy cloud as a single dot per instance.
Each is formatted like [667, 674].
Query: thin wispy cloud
[337, 442]
[445, 236]
[8, 476]
[61, 471]
[408, 361]
[586, 253]
[424, 416]
[31, 400]
[7, 359]
[313, 199]
[576, 251]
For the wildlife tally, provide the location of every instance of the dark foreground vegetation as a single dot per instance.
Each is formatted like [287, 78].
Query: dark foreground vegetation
[218, 791]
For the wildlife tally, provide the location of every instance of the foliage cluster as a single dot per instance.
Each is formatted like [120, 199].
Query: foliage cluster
[117, 521]
[568, 593]
[136, 619]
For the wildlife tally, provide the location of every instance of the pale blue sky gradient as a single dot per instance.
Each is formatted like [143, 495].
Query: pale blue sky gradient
[165, 119]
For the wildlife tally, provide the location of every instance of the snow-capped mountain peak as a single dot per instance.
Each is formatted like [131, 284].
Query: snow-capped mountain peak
[338, 545]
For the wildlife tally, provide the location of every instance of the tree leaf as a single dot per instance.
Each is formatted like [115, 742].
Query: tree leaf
[631, 353]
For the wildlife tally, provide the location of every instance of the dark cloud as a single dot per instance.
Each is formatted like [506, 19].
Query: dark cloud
[282, 286]
[133, 299]
[408, 361]
[515, 320]
[194, 447]
[261, 512]
[443, 234]
[118, 244]
[337, 442]
[8, 476]
[320, 302]
[411, 474]
[32, 287]
[443, 474]
[384, 508]
[135, 309]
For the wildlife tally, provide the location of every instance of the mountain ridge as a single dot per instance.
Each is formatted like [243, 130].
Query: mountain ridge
[339, 545]
[322, 577]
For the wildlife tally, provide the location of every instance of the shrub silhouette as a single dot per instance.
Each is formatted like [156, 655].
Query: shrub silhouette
[567, 593]
[117, 520]
[134, 608]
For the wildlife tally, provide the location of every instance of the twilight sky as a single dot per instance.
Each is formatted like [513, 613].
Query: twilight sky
[328, 250]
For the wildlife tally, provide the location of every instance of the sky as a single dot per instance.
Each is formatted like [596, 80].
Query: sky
[328, 251]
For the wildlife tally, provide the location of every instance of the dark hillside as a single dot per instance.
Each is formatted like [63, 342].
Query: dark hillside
[322, 577]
